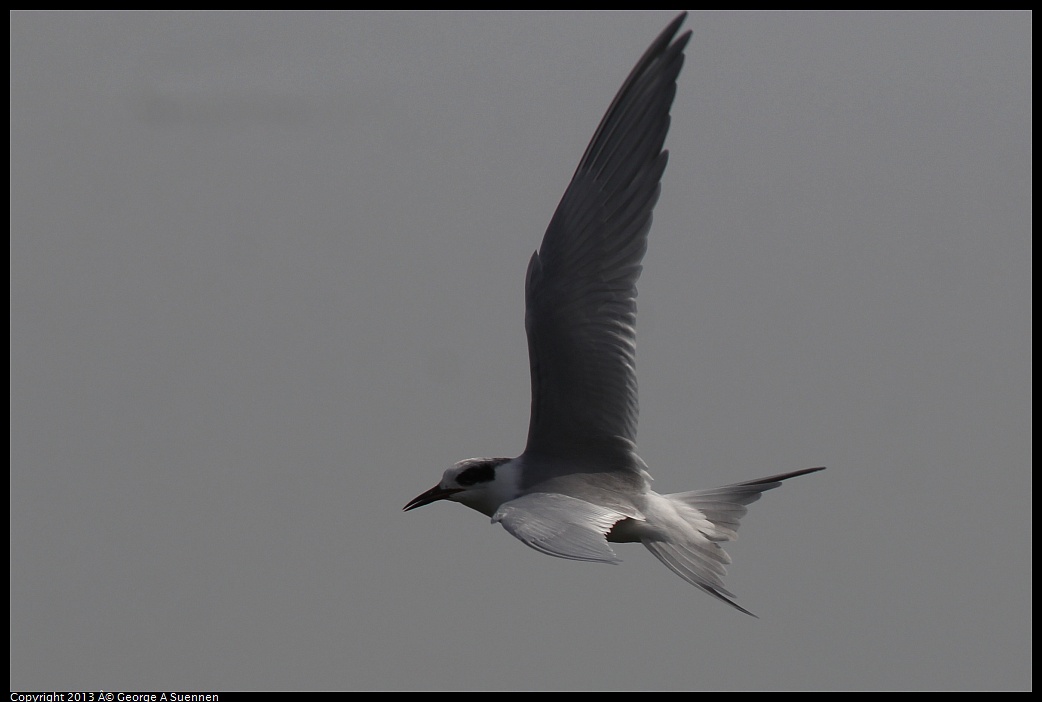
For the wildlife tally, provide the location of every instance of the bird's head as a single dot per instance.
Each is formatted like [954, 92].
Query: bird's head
[482, 484]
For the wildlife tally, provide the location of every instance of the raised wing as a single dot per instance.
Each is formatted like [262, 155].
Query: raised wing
[561, 526]
[580, 291]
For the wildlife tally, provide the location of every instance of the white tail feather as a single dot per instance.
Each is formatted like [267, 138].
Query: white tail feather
[712, 516]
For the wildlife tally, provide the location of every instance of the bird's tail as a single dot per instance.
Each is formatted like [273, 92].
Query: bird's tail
[712, 516]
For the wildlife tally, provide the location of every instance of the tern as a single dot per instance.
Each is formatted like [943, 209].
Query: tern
[579, 483]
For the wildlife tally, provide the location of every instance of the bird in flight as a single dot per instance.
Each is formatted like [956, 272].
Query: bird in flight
[579, 483]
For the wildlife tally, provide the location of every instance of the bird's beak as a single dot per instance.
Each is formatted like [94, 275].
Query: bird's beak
[433, 495]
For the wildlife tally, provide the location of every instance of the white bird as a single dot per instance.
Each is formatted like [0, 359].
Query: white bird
[579, 483]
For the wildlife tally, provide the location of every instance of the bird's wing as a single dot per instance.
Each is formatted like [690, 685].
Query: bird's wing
[580, 290]
[561, 526]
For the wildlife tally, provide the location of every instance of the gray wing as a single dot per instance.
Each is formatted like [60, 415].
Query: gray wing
[580, 291]
[561, 526]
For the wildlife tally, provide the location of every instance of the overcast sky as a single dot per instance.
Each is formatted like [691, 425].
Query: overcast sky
[266, 285]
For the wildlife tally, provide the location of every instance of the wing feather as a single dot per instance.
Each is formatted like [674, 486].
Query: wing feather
[580, 290]
[561, 526]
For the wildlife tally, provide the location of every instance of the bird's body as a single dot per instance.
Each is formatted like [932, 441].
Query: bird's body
[579, 483]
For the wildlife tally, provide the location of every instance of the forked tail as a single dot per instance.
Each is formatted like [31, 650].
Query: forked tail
[713, 516]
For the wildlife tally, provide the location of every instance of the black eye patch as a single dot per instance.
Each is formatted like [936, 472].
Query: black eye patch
[477, 474]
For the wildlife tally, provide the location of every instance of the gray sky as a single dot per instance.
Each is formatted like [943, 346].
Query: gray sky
[266, 285]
